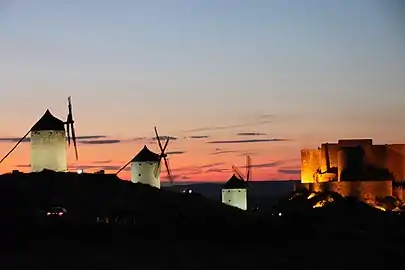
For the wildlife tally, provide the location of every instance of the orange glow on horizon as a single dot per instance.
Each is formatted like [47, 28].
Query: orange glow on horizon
[197, 163]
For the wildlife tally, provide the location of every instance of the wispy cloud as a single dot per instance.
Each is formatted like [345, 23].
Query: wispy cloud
[289, 171]
[102, 161]
[175, 177]
[163, 138]
[219, 151]
[218, 170]
[246, 141]
[93, 166]
[262, 121]
[190, 170]
[100, 142]
[266, 165]
[14, 140]
[250, 134]
[136, 139]
[266, 116]
[197, 137]
[175, 152]
[79, 138]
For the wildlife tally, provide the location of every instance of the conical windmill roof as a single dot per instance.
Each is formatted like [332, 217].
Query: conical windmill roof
[145, 155]
[235, 183]
[48, 122]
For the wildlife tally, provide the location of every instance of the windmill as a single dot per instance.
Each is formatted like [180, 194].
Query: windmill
[48, 142]
[70, 127]
[234, 192]
[248, 176]
[145, 166]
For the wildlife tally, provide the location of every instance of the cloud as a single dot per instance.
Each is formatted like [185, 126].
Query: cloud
[92, 137]
[100, 142]
[138, 139]
[264, 121]
[91, 167]
[289, 171]
[95, 167]
[14, 139]
[218, 170]
[164, 138]
[266, 165]
[23, 166]
[197, 137]
[266, 116]
[247, 141]
[189, 170]
[221, 152]
[78, 138]
[102, 161]
[250, 134]
[175, 177]
[244, 154]
[175, 152]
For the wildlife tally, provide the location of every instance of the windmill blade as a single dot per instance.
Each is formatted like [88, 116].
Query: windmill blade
[68, 134]
[158, 139]
[157, 169]
[123, 167]
[70, 109]
[162, 154]
[238, 172]
[70, 122]
[164, 147]
[74, 142]
[248, 168]
[169, 173]
[15, 146]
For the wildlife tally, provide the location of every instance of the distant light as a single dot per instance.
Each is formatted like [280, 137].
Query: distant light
[190, 191]
[280, 214]
[79, 171]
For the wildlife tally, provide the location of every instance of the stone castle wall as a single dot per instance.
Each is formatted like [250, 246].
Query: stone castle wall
[366, 191]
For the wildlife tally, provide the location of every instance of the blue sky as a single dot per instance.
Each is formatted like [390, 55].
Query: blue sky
[323, 69]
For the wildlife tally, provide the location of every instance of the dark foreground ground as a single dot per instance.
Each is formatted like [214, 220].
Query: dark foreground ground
[152, 229]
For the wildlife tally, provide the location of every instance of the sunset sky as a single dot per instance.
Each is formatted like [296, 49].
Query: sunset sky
[224, 78]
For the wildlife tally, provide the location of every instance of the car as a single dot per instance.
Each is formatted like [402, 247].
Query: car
[56, 212]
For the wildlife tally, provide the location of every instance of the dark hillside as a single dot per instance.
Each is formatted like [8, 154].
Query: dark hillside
[111, 223]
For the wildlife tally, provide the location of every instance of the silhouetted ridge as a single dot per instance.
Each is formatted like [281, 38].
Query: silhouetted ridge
[48, 122]
[146, 155]
[235, 183]
[87, 197]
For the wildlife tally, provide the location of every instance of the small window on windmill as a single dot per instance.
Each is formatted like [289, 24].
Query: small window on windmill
[139, 174]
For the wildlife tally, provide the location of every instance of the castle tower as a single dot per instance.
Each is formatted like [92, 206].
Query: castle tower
[145, 168]
[48, 144]
[234, 193]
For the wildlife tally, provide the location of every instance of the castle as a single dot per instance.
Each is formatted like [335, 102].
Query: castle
[355, 168]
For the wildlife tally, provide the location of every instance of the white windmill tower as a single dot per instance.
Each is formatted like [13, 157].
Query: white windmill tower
[234, 192]
[48, 142]
[145, 166]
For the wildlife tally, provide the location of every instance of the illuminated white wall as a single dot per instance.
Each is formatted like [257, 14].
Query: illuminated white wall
[235, 197]
[48, 151]
[144, 172]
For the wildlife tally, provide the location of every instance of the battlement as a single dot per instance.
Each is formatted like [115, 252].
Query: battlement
[354, 160]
